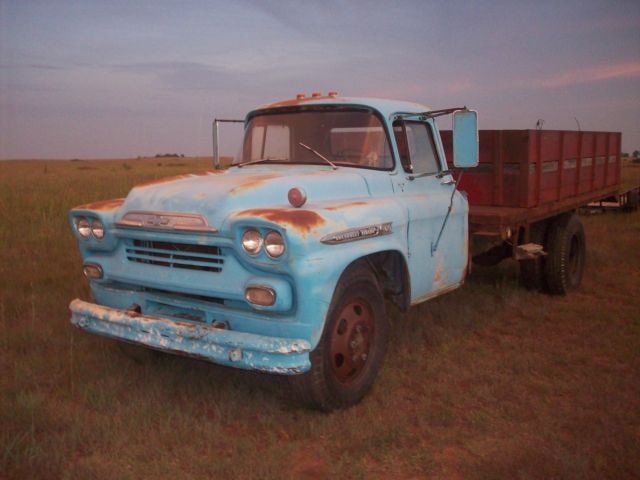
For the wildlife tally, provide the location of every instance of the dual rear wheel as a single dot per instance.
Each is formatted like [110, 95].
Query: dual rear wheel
[561, 270]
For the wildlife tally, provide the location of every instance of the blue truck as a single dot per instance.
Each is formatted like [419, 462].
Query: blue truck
[282, 262]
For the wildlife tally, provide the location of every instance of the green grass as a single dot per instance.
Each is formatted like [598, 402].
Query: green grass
[489, 381]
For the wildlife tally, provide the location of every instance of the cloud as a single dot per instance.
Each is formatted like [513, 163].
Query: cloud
[593, 74]
[36, 66]
[180, 74]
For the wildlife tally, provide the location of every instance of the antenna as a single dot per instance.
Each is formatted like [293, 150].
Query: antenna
[576, 119]
[539, 124]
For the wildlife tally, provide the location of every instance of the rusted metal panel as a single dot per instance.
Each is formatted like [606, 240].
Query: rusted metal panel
[103, 205]
[232, 348]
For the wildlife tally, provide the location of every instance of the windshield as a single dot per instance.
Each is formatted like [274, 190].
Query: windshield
[344, 137]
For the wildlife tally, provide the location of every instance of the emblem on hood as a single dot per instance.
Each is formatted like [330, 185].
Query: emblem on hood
[359, 233]
[186, 222]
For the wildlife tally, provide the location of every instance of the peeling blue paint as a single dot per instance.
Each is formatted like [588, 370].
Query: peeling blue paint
[236, 349]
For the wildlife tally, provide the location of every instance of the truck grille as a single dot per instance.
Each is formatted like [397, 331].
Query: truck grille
[176, 255]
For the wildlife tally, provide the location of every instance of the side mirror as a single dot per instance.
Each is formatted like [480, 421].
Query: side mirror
[465, 138]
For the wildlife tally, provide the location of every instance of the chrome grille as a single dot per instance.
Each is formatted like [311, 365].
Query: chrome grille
[176, 255]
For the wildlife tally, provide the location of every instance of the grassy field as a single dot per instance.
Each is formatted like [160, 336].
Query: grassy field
[487, 382]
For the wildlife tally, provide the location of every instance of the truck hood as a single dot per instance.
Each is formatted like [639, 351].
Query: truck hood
[217, 194]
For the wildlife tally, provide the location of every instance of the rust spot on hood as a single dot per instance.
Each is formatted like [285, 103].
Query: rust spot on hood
[333, 208]
[103, 205]
[301, 220]
[160, 181]
[251, 183]
[207, 172]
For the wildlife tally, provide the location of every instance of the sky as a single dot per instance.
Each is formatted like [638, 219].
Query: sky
[116, 79]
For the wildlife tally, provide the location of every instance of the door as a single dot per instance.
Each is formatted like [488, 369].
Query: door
[426, 188]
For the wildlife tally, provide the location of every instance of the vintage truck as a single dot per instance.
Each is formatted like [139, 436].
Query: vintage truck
[282, 262]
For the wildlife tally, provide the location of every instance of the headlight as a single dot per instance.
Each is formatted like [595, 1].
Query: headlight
[252, 241]
[274, 244]
[97, 228]
[82, 225]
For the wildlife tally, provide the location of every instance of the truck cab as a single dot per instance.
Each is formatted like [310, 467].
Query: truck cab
[282, 262]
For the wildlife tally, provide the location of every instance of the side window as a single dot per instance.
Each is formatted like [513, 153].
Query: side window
[403, 148]
[416, 147]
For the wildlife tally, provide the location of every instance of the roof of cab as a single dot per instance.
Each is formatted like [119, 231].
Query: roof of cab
[384, 106]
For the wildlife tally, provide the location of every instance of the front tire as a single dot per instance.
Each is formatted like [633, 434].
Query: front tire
[352, 347]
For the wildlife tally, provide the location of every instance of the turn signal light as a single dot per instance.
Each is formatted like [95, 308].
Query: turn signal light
[258, 295]
[92, 271]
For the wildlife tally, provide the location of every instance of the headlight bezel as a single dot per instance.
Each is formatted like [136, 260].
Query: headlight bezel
[89, 227]
[253, 231]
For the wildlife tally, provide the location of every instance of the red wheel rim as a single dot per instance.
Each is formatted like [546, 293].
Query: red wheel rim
[351, 341]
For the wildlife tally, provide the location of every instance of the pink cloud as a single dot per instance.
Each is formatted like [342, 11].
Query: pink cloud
[593, 74]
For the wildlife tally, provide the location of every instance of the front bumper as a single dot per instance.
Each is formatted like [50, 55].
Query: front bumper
[227, 347]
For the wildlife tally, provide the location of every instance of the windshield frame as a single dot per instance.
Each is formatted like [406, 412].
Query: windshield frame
[325, 108]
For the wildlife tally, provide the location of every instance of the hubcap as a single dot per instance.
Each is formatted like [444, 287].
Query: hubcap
[351, 341]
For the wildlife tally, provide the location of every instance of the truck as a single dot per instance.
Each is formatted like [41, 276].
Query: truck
[285, 261]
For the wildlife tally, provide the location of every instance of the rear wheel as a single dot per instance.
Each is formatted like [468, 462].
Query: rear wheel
[352, 347]
[633, 200]
[566, 255]
[532, 270]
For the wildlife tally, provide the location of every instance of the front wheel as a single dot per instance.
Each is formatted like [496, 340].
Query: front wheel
[352, 347]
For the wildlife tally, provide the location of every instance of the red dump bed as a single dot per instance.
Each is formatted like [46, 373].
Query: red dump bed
[527, 175]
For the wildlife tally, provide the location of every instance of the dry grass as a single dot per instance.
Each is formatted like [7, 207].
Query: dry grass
[488, 382]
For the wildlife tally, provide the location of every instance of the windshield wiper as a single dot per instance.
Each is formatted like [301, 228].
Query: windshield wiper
[333, 165]
[261, 160]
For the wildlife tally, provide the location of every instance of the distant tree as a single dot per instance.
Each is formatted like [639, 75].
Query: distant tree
[635, 154]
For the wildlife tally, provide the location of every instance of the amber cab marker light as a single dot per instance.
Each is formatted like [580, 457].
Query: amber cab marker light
[300, 96]
[316, 94]
[297, 197]
[333, 93]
